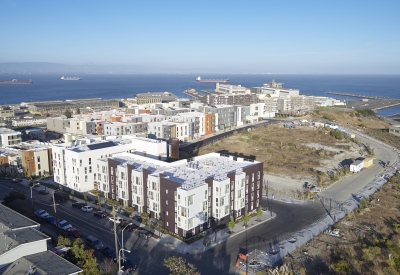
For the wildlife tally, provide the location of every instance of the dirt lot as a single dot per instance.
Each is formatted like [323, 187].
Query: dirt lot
[294, 156]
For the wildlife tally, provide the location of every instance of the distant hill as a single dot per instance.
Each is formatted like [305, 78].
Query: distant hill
[47, 67]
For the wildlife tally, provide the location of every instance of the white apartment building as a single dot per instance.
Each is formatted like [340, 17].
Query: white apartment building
[195, 121]
[188, 195]
[168, 129]
[9, 137]
[230, 89]
[122, 128]
[74, 162]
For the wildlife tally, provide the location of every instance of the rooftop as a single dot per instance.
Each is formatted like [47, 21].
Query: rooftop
[8, 131]
[14, 238]
[189, 173]
[14, 220]
[43, 263]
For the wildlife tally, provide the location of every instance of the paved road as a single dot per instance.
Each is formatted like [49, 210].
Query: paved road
[150, 255]
[343, 189]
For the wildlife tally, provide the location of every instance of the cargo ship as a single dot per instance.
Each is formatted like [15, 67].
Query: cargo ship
[211, 80]
[15, 81]
[71, 78]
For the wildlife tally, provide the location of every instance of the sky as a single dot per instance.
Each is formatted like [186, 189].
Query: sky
[260, 36]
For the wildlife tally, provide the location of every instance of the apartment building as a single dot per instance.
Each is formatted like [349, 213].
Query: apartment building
[122, 128]
[224, 115]
[155, 97]
[274, 89]
[231, 99]
[74, 162]
[31, 159]
[188, 195]
[9, 137]
[168, 130]
[230, 89]
[195, 122]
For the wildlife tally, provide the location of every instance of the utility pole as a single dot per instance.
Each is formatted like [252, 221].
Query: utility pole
[115, 236]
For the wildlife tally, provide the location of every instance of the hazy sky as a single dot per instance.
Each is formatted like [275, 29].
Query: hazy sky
[265, 36]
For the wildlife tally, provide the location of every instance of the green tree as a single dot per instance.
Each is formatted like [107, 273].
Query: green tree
[78, 249]
[90, 266]
[246, 218]
[77, 111]
[178, 266]
[63, 241]
[68, 113]
[12, 196]
[259, 212]
[231, 224]
[73, 193]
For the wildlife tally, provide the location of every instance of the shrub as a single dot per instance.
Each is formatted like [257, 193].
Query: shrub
[363, 203]
[342, 267]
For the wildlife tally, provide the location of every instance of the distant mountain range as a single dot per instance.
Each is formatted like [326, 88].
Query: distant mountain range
[47, 68]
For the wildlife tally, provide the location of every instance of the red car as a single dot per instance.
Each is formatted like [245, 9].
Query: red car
[75, 233]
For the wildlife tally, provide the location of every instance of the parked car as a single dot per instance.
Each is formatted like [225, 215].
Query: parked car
[43, 191]
[118, 220]
[128, 266]
[75, 233]
[94, 242]
[100, 214]
[129, 226]
[63, 225]
[16, 180]
[109, 253]
[78, 204]
[87, 209]
[143, 234]
[41, 214]
[60, 197]
[51, 220]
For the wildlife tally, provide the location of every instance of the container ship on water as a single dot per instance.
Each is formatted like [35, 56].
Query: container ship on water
[211, 80]
[71, 78]
[15, 81]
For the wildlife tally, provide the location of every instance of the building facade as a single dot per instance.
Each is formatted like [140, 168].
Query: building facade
[188, 196]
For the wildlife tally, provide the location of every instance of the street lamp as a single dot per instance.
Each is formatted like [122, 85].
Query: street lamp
[31, 192]
[119, 258]
[123, 237]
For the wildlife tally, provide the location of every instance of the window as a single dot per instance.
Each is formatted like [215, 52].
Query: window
[38, 166]
[85, 170]
[90, 169]
[166, 191]
[166, 213]
[166, 202]
[191, 199]
[90, 161]
[38, 159]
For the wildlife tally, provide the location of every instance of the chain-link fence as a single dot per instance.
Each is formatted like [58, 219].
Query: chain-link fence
[261, 259]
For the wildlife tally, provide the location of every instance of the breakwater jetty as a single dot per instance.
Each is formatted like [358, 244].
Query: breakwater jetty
[359, 95]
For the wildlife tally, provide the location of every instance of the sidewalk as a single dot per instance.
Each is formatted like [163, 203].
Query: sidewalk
[281, 198]
[213, 237]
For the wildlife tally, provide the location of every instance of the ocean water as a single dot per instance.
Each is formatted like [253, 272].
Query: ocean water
[50, 87]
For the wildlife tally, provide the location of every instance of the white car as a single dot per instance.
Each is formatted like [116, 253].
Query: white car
[41, 214]
[118, 220]
[87, 208]
[63, 225]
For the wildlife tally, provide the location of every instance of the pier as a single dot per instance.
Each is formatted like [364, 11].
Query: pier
[195, 95]
[359, 95]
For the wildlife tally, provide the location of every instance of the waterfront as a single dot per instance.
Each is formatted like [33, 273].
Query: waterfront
[50, 87]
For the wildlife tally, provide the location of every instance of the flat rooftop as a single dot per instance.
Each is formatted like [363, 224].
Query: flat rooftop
[189, 173]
